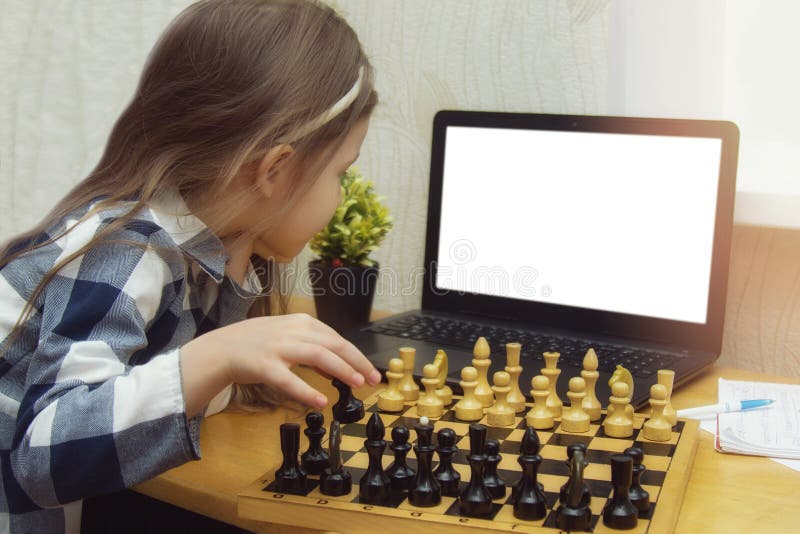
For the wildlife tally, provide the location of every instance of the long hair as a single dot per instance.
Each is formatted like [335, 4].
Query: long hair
[226, 81]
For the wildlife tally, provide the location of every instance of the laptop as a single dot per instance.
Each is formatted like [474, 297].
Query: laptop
[565, 233]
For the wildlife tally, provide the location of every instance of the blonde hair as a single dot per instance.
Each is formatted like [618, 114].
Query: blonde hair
[226, 81]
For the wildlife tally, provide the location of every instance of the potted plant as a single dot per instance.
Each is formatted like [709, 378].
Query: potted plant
[343, 277]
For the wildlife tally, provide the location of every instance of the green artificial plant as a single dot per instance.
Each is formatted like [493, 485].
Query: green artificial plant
[358, 226]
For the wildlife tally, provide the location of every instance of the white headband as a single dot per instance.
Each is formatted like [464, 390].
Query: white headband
[323, 119]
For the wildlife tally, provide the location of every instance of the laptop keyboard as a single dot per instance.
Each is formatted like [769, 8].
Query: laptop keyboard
[462, 334]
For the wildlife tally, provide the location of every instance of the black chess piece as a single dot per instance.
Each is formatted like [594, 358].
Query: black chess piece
[374, 486]
[492, 481]
[527, 495]
[315, 459]
[619, 512]
[347, 409]
[290, 477]
[426, 490]
[572, 514]
[445, 474]
[638, 495]
[399, 473]
[475, 500]
[586, 492]
[335, 480]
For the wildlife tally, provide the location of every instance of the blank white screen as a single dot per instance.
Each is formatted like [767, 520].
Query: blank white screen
[613, 222]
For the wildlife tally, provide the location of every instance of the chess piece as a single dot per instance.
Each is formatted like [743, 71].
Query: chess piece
[574, 418]
[443, 391]
[586, 492]
[475, 500]
[401, 476]
[666, 377]
[408, 387]
[539, 416]
[290, 477]
[500, 414]
[374, 486]
[551, 371]
[619, 512]
[515, 398]
[573, 513]
[315, 459]
[445, 474]
[335, 480]
[347, 409]
[391, 399]
[469, 408]
[527, 495]
[429, 404]
[426, 490]
[481, 362]
[590, 375]
[639, 496]
[657, 428]
[491, 480]
[619, 421]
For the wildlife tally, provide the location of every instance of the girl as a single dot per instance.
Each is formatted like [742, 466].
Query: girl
[123, 313]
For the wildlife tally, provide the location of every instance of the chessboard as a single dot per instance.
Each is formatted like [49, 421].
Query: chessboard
[668, 466]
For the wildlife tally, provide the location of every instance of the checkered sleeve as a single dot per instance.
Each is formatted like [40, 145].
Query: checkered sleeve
[90, 421]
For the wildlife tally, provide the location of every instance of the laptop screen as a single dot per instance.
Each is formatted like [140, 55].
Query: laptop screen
[604, 221]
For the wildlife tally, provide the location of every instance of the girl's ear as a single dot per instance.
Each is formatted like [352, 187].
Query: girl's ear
[271, 169]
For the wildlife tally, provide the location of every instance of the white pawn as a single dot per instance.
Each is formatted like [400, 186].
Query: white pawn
[666, 378]
[430, 405]
[391, 399]
[589, 373]
[469, 408]
[515, 397]
[551, 371]
[481, 363]
[574, 418]
[619, 419]
[657, 428]
[540, 417]
[408, 387]
[500, 413]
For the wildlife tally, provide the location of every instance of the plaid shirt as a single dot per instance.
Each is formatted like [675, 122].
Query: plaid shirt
[91, 399]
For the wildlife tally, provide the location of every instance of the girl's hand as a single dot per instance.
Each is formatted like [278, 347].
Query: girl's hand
[264, 349]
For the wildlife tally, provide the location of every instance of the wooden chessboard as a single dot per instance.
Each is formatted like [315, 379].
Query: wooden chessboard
[668, 466]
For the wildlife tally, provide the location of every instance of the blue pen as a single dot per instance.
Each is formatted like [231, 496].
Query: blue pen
[735, 406]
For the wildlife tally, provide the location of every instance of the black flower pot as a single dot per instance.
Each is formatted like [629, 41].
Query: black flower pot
[342, 295]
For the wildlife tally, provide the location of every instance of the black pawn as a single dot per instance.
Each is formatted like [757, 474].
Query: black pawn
[335, 480]
[619, 512]
[527, 495]
[374, 486]
[315, 459]
[447, 477]
[347, 409]
[399, 473]
[492, 481]
[586, 492]
[426, 491]
[638, 495]
[572, 514]
[475, 500]
[290, 477]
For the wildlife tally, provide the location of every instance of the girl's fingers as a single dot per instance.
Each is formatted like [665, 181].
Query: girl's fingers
[325, 360]
[294, 386]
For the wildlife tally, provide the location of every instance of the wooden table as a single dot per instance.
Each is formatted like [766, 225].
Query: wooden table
[726, 493]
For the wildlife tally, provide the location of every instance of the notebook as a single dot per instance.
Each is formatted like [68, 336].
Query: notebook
[566, 232]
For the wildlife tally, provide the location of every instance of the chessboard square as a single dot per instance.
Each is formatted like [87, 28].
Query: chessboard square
[407, 422]
[551, 483]
[500, 433]
[596, 456]
[449, 415]
[518, 433]
[597, 503]
[463, 443]
[564, 439]
[509, 461]
[461, 429]
[510, 446]
[653, 478]
[656, 463]
[463, 469]
[510, 477]
[357, 460]
[389, 419]
[352, 443]
[611, 444]
[554, 467]
[600, 488]
[506, 515]
[672, 440]
[652, 448]
[654, 492]
[597, 471]
[357, 430]
[439, 509]
[554, 452]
